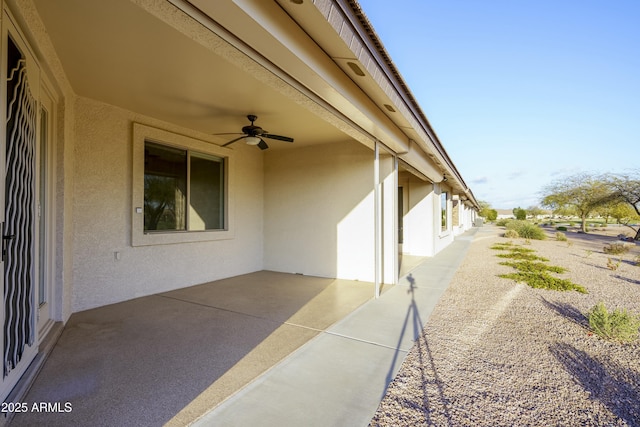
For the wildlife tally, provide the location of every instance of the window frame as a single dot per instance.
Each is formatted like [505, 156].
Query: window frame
[455, 212]
[444, 211]
[140, 237]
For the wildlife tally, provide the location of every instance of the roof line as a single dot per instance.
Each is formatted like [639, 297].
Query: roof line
[399, 82]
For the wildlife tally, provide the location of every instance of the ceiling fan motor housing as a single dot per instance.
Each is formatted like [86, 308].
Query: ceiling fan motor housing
[257, 133]
[252, 130]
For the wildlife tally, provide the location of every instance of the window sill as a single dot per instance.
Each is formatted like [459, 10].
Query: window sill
[444, 234]
[176, 237]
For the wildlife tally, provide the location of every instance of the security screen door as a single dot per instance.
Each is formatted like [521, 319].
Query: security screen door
[18, 151]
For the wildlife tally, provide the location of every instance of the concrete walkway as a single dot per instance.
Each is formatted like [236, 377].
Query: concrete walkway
[340, 376]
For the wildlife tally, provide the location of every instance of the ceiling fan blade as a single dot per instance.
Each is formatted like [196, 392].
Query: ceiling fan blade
[262, 145]
[233, 140]
[278, 137]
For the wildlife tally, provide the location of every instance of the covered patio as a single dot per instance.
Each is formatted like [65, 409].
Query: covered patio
[180, 255]
[274, 348]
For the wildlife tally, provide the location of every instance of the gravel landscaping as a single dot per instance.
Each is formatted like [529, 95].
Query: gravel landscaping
[499, 353]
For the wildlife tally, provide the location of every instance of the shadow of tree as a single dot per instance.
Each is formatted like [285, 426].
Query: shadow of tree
[627, 279]
[568, 311]
[615, 386]
[597, 266]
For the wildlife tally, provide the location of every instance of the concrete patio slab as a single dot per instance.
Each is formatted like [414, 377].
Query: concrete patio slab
[328, 397]
[169, 358]
[269, 349]
[339, 377]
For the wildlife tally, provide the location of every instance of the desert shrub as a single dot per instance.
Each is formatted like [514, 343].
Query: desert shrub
[527, 230]
[532, 267]
[560, 236]
[522, 256]
[533, 273]
[615, 248]
[520, 249]
[617, 325]
[544, 280]
[502, 222]
[561, 228]
[511, 234]
[613, 265]
[502, 246]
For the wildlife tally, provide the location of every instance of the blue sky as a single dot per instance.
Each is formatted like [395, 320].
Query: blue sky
[521, 93]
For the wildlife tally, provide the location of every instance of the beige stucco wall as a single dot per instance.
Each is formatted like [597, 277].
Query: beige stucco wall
[319, 211]
[102, 217]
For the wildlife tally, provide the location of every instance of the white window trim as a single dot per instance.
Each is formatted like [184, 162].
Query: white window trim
[142, 133]
[446, 231]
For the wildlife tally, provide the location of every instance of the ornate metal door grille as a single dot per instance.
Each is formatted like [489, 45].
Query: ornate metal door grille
[18, 230]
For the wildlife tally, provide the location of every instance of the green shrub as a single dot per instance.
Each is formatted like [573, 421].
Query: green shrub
[522, 256]
[511, 234]
[527, 230]
[544, 280]
[522, 250]
[502, 222]
[503, 246]
[618, 325]
[613, 265]
[560, 236]
[532, 267]
[534, 274]
[616, 248]
[561, 228]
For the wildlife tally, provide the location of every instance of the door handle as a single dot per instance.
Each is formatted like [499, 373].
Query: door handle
[5, 240]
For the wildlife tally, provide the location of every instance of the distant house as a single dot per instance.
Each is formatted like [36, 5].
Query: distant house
[121, 183]
[505, 213]
[508, 213]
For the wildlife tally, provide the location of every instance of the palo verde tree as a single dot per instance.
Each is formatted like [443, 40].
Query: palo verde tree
[582, 193]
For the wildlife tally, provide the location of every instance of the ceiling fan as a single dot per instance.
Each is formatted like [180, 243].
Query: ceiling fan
[253, 135]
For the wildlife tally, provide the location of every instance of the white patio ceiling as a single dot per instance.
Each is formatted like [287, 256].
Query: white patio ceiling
[115, 52]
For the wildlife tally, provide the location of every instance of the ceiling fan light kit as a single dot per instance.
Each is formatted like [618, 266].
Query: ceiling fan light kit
[253, 135]
[252, 140]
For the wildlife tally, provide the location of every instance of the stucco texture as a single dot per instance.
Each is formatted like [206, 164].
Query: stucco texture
[319, 211]
[102, 218]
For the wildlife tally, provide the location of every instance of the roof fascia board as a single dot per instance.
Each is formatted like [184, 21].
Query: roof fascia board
[369, 38]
